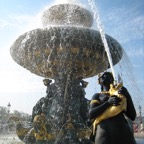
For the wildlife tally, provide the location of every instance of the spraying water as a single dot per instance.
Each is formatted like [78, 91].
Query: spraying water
[124, 68]
[102, 33]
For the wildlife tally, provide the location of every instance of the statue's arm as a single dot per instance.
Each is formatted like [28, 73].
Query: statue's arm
[130, 112]
[96, 108]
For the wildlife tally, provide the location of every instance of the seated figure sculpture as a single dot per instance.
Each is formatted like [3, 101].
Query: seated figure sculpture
[39, 131]
[37, 109]
[108, 112]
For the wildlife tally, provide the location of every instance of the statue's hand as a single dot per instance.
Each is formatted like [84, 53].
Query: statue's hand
[114, 100]
[123, 91]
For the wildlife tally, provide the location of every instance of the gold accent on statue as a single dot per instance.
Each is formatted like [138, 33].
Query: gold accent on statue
[94, 101]
[37, 53]
[51, 136]
[112, 110]
[20, 131]
[75, 50]
[84, 133]
[40, 122]
[41, 134]
[69, 126]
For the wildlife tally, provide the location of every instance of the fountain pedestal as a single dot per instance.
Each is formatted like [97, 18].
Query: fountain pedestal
[67, 109]
[65, 50]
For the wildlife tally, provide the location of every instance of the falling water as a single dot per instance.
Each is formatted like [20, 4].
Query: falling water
[124, 67]
[102, 33]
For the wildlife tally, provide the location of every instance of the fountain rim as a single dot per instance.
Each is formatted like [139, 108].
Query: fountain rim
[91, 31]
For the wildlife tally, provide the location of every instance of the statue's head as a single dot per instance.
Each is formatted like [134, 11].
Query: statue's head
[105, 79]
[47, 82]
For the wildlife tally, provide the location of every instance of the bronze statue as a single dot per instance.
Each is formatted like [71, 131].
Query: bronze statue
[39, 131]
[37, 109]
[109, 111]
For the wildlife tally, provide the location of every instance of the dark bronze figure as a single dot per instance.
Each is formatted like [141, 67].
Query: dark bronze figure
[109, 126]
[37, 109]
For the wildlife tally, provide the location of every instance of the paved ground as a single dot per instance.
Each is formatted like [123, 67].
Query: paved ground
[13, 139]
[140, 140]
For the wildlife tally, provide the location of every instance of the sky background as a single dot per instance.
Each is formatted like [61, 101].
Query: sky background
[121, 19]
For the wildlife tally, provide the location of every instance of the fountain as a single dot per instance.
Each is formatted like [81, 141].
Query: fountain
[66, 50]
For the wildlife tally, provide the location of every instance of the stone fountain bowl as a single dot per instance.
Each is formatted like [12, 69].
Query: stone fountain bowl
[67, 14]
[78, 50]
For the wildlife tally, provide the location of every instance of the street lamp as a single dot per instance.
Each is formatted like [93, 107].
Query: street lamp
[9, 106]
[139, 110]
[140, 117]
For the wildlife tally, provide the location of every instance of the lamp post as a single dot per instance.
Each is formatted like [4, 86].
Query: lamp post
[141, 129]
[9, 106]
[140, 117]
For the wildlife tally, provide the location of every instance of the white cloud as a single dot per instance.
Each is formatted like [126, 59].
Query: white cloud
[21, 22]
[14, 78]
[124, 24]
[3, 23]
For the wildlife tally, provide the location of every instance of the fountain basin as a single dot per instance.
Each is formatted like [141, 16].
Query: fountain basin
[67, 14]
[44, 51]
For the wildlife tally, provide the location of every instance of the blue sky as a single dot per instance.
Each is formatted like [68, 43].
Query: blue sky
[122, 19]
